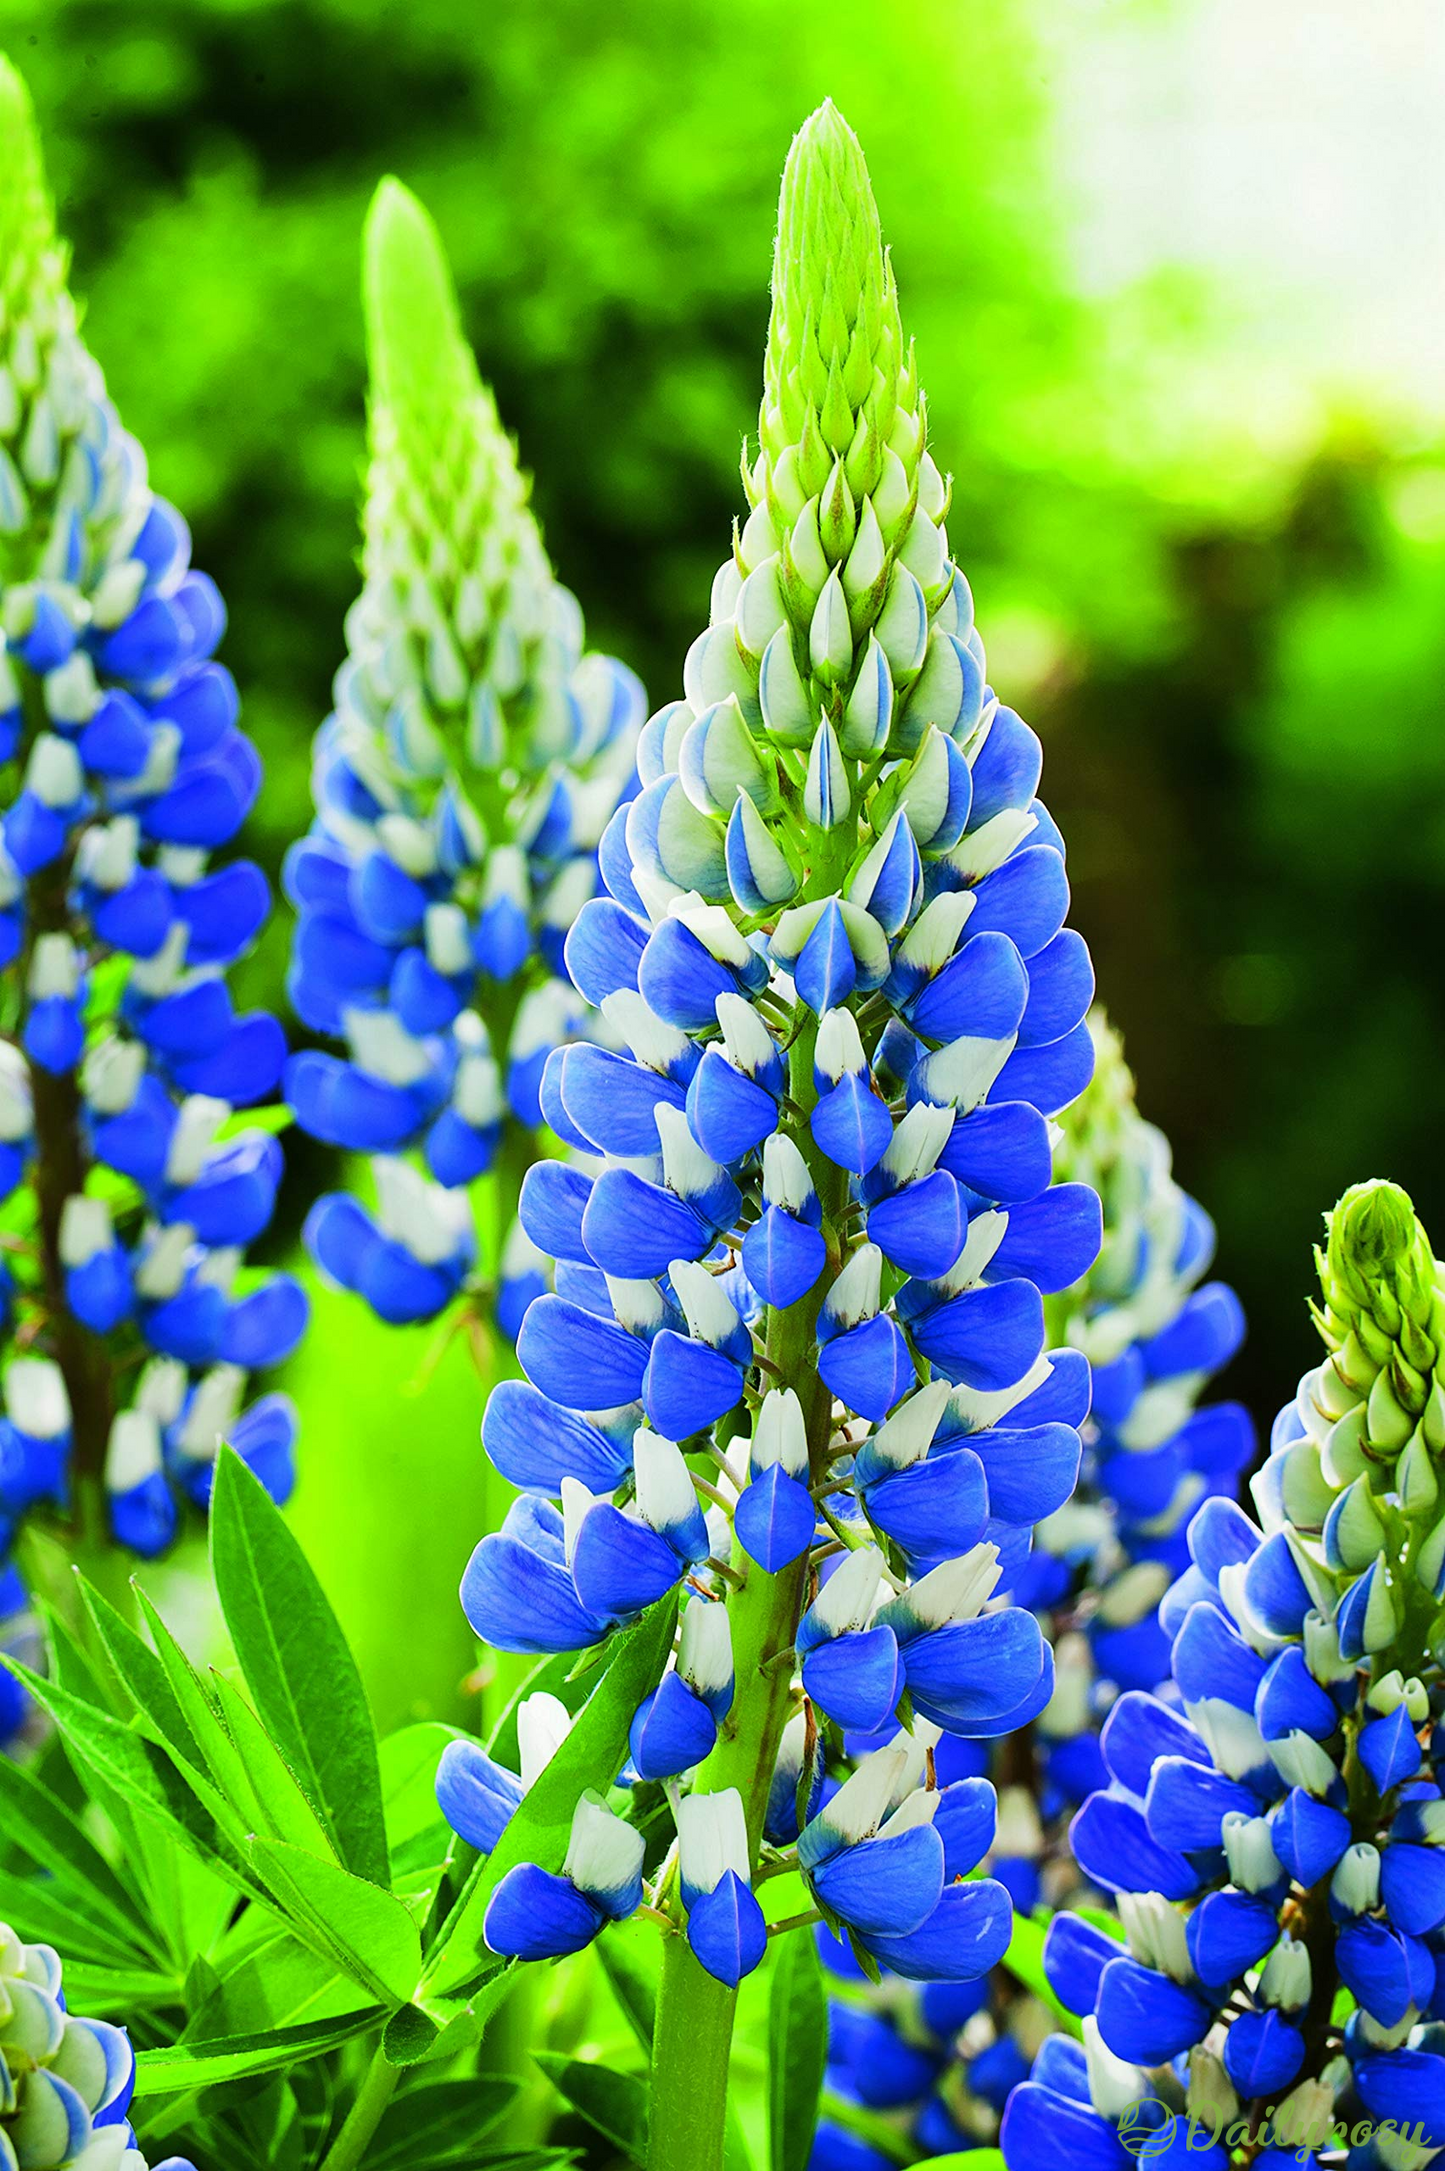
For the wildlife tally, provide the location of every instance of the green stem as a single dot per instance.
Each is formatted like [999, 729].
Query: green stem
[376, 2091]
[693, 2036]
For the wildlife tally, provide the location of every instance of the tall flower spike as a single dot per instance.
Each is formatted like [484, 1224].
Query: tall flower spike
[833, 947]
[1152, 1337]
[1276, 1832]
[123, 1056]
[462, 784]
[68, 2082]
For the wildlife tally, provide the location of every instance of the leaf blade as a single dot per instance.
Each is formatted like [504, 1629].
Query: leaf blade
[798, 2038]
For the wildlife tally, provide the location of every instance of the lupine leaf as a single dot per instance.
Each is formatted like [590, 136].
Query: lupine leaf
[298, 1665]
[591, 1756]
[418, 1835]
[633, 1985]
[180, 2067]
[439, 2125]
[615, 2103]
[421, 2034]
[798, 2036]
[367, 1932]
[38, 1821]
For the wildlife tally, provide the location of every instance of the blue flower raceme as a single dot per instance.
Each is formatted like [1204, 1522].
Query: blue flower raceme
[1101, 1563]
[134, 1188]
[462, 783]
[65, 2083]
[1275, 1834]
[792, 1377]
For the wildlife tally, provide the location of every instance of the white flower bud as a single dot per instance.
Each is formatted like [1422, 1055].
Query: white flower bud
[1356, 1881]
[133, 1452]
[543, 1724]
[709, 1310]
[779, 1433]
[1249, 1851]
[36, 1401]
[85, 1229]
[212, 1412]
[957, 1590]
[604, 1855]
[712, 1837]
[1286, 1976]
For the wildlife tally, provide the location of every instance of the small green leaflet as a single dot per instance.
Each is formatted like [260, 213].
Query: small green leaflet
[798, 2035]
[181, 2067]
[615, 2103]
[367, 1932]
[590, 1757]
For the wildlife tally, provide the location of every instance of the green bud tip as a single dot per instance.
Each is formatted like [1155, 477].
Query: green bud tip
[1372, 1232]
[416, 347]
[27, 223]
[834, 341]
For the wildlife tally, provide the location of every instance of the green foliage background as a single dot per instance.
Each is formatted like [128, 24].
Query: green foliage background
[1235, 663]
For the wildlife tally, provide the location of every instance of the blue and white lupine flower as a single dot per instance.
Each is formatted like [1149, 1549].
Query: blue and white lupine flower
[725, 1925]
[477, 1795]
[1276, 1836]
[462, 785]
[805, 1284]
[124, 1057]
[65, 2083]
[534, 1915]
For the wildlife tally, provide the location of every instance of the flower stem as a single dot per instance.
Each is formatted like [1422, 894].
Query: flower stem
[690, 2053]
[377, 2089]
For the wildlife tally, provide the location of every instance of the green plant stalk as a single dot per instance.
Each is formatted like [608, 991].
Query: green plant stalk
[349, 2148]
[693, 2040]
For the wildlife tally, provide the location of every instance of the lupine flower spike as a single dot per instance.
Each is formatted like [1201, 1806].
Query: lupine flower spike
[793, 1371]
[462, 783]
[65, 2083]
[1275, 1834]
[1152, 1336]
[133, 1191]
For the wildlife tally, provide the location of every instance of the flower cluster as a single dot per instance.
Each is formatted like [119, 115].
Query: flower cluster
[462, 783]
[944, 2062]
[794, 1368]
[65, 2084]
[132, 1192]
[1275, 1836]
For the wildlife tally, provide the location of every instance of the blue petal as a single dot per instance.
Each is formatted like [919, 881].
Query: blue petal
[1112, 1845]
[620, 1565]
[533, 1915]
[1061, 988]
[1386, 1971]
[1043, 2131]
[869, 1367]
[967, 1934]
[1275, 1590]
[986, 1338]
[1221, 1536]
[1290, 1700]
[633, 1229]
[782, 1257]
[1308, 1836]
[1406, 2086]
[687, 1386]
[852, 1126]
[1201, 1338]
[1187, 1803]
[535, 1443]
[265, 1327]
[578, 1360]
[726, 1930]
[921, 1228]
[729, 1114]
[1027, 898]
[1030, 1472]
[857, 1679]
[775, 1520]
[967, 1674]
[1075, 1957]
[144, 1520]
[681, 980]
[1001, 1152]
[826, 971]
[981, 992]
[1048, 1077]
[1139, 1731]
[935, 1509]
[884, 1887]
[1146, 2017]
[604, 949]
[1052, 1240]
[1006, 768]
[1210, 1660]
[1183, 2144]
[671, 1730]
[1227, 1933]
[612, 1100]
[520, 1602]
[1412, 1886]
[1390, 1749]
[965, 1820]
[477, 1797]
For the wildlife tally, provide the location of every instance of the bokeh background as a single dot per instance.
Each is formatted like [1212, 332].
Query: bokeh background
[1177, 276]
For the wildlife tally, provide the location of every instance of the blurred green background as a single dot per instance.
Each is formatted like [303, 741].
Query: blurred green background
[1175, 272]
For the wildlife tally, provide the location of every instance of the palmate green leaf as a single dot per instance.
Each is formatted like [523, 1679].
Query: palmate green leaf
[181, 2068]
[591, 1756]
[440, 2028]
[418, 1836]
[634, 1984]
[615, 2103]
[798, 2049]
[438, 2124]
[38, 1821]
[298, 1665]
[367, 1932]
